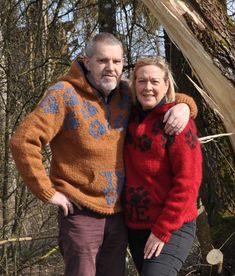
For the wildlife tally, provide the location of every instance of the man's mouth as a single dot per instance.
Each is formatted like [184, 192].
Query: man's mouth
[109, 76]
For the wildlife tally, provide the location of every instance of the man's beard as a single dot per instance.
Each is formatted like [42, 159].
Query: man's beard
[108, 86]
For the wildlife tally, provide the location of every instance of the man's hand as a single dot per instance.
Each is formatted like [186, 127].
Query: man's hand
[62, 201]
[153, 245]
[176, 118]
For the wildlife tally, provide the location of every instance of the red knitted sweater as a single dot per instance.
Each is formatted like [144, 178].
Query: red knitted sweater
[163, 175]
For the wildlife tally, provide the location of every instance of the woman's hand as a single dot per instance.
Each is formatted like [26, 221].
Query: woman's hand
[153, 247]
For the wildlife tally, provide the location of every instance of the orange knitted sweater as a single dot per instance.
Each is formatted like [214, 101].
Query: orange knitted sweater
[86, 136]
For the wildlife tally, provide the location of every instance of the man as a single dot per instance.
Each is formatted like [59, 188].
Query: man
[84, 118]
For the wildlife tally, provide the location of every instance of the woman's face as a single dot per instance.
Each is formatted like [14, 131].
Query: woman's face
[150, 86]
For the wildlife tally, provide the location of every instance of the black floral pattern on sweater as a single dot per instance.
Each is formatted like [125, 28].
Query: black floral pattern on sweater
[144, 143]
[191, 139]
[138, 204]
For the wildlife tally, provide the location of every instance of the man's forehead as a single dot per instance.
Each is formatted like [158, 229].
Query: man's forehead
[103, 49]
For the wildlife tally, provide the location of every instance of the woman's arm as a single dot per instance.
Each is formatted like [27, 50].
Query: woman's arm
[184, 154]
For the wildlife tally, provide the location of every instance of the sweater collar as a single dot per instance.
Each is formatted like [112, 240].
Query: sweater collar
[144, 113]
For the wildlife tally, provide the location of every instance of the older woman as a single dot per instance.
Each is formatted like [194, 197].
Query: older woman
[163, 175]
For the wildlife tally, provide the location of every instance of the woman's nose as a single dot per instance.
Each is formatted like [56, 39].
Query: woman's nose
[148, 85]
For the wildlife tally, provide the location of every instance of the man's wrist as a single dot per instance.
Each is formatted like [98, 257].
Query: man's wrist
[183, 98]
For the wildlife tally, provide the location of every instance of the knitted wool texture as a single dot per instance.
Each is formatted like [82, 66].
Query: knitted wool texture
[86, 136]
[163, 175]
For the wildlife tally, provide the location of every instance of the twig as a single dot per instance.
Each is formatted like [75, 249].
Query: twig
[12, 240]
[227, 240]
[209, 138]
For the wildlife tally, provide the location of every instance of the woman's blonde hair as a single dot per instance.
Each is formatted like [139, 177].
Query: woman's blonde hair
[161, 63]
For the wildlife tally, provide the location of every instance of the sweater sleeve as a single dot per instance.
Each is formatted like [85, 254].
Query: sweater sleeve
[185, 159]
[37, 130]
[183, 98]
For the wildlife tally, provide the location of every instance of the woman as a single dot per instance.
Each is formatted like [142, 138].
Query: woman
[163, 175]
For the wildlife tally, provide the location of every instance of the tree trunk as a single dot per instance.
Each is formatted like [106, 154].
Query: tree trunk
[205, 35]
[107, 16]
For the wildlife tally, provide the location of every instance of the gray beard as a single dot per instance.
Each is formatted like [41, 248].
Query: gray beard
[105, 87]
[108, 87]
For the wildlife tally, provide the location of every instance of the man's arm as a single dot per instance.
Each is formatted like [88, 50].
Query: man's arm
[37, 130]
[178, 116]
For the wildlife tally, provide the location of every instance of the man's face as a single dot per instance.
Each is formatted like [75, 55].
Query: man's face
[105, 66]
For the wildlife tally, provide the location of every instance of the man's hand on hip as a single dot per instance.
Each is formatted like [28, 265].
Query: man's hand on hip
[62, 201]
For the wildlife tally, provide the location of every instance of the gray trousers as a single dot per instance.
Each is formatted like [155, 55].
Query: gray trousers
[172, 256]
[92, 244]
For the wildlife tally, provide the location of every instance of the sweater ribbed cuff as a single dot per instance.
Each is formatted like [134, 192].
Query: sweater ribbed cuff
[164, 237]
[46, 195]
[183, 98]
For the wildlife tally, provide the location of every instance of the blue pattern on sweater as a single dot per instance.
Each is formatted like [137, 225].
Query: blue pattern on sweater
[57, 86]
[70, 97]
[112, 193]
[97, 129]
[70, 122]
[88, 110]
[49, 105]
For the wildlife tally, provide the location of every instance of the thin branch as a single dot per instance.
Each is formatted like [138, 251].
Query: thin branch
[209, 138]
[13, 240]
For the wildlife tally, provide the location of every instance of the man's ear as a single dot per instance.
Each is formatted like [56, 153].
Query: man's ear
[87, 63]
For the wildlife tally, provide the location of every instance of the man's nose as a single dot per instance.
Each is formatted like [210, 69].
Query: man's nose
[110, 65]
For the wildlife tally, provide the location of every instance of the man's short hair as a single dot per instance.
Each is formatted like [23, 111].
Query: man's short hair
[106, 38]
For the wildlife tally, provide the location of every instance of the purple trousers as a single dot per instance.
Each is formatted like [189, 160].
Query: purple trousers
[92, 244]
